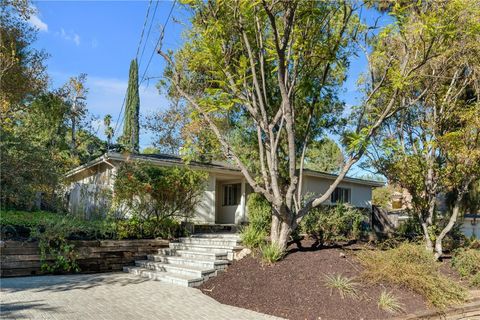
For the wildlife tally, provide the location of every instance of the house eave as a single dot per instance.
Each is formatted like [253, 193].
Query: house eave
[330, 176]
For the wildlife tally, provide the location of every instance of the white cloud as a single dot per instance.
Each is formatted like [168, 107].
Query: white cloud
[38, 23]
[69, 36]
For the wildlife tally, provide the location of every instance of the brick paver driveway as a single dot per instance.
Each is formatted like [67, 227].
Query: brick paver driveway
[108, 296]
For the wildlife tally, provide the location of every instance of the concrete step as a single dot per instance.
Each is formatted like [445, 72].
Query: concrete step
[235, 236]
[194, 262]
[191, 271]
[202, 247]
[201, 255]
[167, 277]
[210, 241]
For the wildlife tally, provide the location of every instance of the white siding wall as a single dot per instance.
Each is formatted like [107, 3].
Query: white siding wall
[361, 195]
[90, 195]
[205, 212]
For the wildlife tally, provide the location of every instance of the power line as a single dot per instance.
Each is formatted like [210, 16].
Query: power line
[160, 38]
[149, 29]
[157, 45]
[143, 29]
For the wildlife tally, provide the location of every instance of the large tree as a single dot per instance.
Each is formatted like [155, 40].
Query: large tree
[22, 68]
[131, 126]
[432, 148]
[264, 77]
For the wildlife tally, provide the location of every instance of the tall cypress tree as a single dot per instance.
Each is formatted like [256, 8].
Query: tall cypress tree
[131, 127]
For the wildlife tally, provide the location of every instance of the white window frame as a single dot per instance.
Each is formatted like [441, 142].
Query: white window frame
[231, 194]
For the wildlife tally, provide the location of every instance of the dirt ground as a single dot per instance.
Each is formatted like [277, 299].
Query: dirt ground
[294, 288]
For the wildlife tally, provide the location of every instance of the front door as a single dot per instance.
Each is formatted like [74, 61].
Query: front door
[228, 200]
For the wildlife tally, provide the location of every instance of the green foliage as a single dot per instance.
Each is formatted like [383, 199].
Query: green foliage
[131, 127]
[412, 266]
[259, 212]
[259, 221]
[271, 253]
[253, 238]
[22, 67]
[347, 287]
[53, 246]
[147, 191]
[135, 228]
[335, 223]
[388, 302]
[467, 262]
[22, 224]
[382, 197]
[325, 156]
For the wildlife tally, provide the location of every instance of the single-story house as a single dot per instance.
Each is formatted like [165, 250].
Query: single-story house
[224, 200]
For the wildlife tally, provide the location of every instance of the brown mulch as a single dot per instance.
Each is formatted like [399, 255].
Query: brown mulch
[294, 288]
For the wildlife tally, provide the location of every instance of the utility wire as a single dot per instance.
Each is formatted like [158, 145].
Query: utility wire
[149, 29]
[159, 42]
[155, 49]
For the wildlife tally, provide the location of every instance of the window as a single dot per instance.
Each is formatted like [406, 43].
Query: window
[231, 194]
[340, 195]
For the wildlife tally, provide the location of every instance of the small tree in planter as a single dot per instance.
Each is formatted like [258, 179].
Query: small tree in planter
[153, 196]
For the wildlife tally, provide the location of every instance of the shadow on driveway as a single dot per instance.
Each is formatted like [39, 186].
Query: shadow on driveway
[14, 309]
[66, 282]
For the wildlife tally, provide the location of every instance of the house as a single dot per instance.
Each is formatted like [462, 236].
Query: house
[224, 200]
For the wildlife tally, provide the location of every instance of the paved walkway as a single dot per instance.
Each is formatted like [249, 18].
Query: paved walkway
[108, 296]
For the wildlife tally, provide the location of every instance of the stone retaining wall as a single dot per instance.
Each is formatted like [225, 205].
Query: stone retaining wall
[23, 258]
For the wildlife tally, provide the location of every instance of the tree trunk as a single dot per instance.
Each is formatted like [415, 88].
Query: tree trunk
[280, 231]
[426, 235]
[282, 237]
[448, 227]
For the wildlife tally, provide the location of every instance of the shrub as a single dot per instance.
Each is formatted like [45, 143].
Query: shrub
[136, 228]
[259, 212]
[21, 224]
[467, 263]
[345, 286]
[259, 221]
[252, 238]
[388, 302]
[271, 253]
[475, 280]
[412, 266]
[150, 192]
[336, 223]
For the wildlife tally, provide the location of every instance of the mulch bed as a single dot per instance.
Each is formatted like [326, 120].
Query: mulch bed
[294, 288]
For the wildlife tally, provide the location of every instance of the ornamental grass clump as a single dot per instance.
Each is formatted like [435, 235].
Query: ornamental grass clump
[271, 253]
[347, 287]
[389, 303]
[413, 267]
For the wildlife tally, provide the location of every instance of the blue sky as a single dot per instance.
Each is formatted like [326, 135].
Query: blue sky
[100, 38]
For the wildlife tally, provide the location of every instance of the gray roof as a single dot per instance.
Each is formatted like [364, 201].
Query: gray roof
[167, 159]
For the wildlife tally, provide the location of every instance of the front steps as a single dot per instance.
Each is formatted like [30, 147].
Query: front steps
[190, 261]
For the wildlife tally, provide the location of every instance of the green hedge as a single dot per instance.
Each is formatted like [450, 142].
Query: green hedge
[21, 224]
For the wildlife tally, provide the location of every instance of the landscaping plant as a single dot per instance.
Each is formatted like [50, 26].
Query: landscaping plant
[271, 253]
[389, 302]
[150, 194]
[467, 262]
[333, 223]
[347, 287]
[259, 220]
[412, 266]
